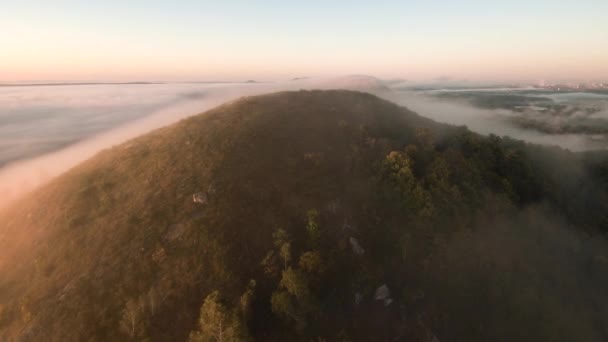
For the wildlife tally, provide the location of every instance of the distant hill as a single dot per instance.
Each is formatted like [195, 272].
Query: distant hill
[311, 215]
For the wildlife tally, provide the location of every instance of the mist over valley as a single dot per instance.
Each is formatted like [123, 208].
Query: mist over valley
[214, 171]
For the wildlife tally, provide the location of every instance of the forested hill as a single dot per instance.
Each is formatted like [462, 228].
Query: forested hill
[311, 215]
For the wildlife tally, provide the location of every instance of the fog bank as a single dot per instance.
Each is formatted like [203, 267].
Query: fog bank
[165, 107]
[488, 121]
[19, 177]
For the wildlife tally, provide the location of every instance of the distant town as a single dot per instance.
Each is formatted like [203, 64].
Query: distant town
[572, 86]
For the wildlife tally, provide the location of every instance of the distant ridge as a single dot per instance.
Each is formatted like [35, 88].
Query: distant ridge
[51, 84]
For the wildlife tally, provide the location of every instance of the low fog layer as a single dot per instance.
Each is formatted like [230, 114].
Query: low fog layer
[58, 127]
[35, 120]
[488, 121]
[65, 125]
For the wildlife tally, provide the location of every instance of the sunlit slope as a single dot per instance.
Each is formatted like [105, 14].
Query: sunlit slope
[320, 198]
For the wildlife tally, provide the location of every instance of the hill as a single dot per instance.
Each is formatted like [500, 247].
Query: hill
[311, 215]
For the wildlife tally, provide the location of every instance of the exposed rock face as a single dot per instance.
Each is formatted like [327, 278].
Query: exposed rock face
[383, 294]
[200, 197]
[357, 249]
[358, 298]
[204, 196]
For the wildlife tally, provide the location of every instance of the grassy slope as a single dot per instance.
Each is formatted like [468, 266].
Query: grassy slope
[123, 223]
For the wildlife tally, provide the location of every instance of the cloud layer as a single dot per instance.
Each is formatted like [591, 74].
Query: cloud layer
[59, 127]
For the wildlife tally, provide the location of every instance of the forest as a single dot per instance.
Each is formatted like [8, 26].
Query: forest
[312, 216]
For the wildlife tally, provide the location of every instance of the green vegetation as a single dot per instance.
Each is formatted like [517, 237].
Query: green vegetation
[498, 100]
[217, 322]
[323, 215]
[539, 113]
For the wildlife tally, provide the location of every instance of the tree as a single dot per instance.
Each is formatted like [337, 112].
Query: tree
[280, 237]
[285, 253]
[314, 232]
[283, 305]
[270, 264]
[217, 323]
[294, 299]
[138, 311]
[311, 262]
[246, 301]
[283, 244]
[397, 171]
[426, 141]
[132, 317]
[152, 298]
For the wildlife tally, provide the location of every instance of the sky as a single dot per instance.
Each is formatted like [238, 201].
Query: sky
[188, 40]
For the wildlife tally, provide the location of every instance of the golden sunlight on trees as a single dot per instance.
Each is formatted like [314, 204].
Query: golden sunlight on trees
[132, 318]
[217, 323]
[397, 169]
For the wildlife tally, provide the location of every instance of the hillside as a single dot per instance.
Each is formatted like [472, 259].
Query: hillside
[311, 215]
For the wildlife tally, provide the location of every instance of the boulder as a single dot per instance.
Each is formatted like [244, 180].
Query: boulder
[358, 298]
[383, 294]
[200, 197]
[357, 249]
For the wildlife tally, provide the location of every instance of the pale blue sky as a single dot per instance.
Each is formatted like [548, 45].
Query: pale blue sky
[179, 40]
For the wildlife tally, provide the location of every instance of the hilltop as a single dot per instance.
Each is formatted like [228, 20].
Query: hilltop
[311, 215]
